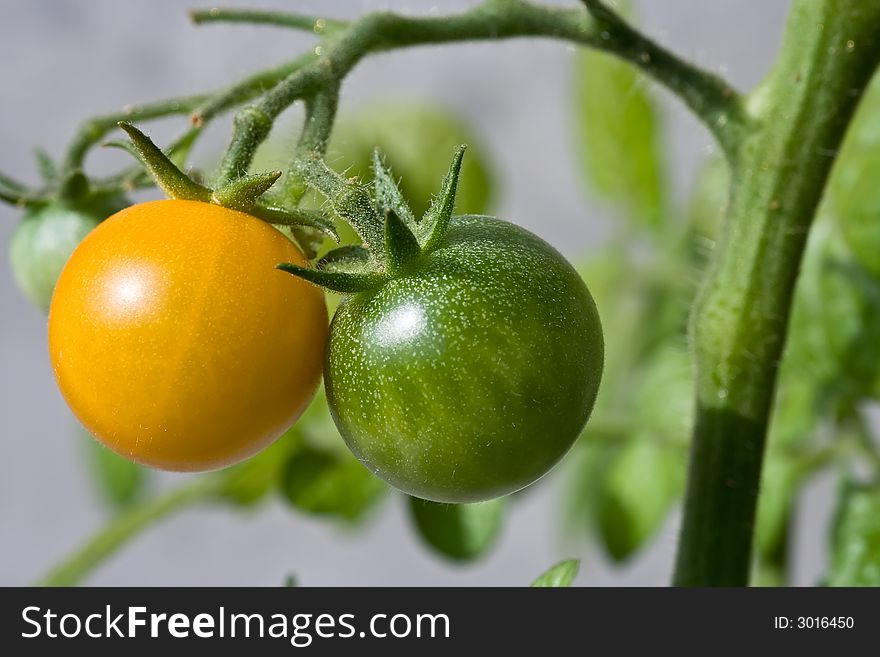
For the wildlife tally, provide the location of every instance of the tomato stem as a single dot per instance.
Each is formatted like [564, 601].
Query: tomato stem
[317, 24]
[797, 120]
[710, 97]
[126, 526]
[93, 130]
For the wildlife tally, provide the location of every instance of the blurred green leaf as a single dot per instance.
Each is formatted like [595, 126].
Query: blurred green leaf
[249, 482]
[559, 576]
[855, 537]
[619, 136]
[780, 480]
[662, 405]
[854, 188]
[834, 339]
[786, 467]
[461, 532]
[120, 481]
[324, 482]
[637, 493]
[629, 472]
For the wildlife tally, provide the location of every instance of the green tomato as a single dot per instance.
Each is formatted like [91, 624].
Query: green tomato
[415, 138]
[472, 374]
[45, 238]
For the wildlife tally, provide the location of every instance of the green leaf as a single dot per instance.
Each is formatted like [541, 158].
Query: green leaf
[329, 483]
[437, 217]
[619, 136]
[780, 479]
[120, 481]
[559, 576]
[639, 488]
[834, 337]
[344, 282]
[249, 482]
[461, 532]
[388, 194]
[855, 537]
[853, 187]
[401, 246]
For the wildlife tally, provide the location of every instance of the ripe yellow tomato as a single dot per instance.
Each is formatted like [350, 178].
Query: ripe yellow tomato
[177, 343]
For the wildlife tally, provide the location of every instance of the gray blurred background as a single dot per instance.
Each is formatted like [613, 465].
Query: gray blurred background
[66, 60]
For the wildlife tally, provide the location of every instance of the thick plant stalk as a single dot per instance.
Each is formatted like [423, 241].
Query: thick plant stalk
[796, 122]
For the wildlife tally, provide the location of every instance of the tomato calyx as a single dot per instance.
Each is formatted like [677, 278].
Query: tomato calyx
[393, 238]
[243, 194]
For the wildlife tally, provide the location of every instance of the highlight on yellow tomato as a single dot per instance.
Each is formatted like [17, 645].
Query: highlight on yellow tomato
[177, 343]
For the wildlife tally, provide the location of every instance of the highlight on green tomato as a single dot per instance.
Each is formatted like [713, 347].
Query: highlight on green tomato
[466, 357]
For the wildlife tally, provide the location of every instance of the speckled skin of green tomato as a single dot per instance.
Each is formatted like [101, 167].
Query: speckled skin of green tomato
[470, 375]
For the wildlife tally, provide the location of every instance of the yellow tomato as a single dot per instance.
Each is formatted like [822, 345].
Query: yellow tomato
[177, 343]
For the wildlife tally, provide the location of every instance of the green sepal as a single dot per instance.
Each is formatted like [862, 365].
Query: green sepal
[345, 282]
[12, 186]
[437, 217]
[46, 166]
[295, 217]
[168, 177]
[559, 576]
[242, 193]
[349, 199]
[75, 187]
[351, 258]
[401, 246]
[388, 194]
[29, 202]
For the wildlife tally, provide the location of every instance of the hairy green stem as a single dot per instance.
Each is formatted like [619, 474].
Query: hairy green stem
[799, 117]
[712, 99]
[127, 525]
[202, 109]
[320, 115]
[316, 24]
[95, 129]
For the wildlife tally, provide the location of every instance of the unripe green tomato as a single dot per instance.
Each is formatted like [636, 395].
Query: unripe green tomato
[45, 238]
[471, 374]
